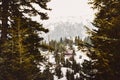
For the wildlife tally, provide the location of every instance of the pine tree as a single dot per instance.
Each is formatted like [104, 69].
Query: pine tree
[106, 40]
[87, 71]
[58, 72]
[70, 75]
[47, 75]
[75, 66]
[20, 43]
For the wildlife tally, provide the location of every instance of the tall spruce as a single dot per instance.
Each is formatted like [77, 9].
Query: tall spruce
[106, 40]
[20, 40]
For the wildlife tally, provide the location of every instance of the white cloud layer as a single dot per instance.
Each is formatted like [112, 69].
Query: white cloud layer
[64, 8]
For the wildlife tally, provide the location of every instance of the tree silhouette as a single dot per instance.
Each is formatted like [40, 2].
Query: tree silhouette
[20, 40]
[106, 40]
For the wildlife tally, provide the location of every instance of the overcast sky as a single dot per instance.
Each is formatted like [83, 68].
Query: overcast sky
[64, 8]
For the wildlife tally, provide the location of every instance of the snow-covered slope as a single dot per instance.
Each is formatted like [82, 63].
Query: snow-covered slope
[79, 57]
[66, 27]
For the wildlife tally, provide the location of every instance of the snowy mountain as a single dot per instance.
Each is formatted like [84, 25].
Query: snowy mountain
[69, 54]
[67, 27]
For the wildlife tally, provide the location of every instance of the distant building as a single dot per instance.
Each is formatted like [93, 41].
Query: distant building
[68, 53]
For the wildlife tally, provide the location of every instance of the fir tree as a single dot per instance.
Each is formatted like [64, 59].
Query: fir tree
[20, 43]
[58, 72]
[69, 75]
[47, 75]
[106, 40]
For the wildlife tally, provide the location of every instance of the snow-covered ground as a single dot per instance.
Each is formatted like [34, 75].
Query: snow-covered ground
[79, 58]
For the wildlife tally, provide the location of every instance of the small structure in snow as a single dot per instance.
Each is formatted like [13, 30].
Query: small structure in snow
[68, 53]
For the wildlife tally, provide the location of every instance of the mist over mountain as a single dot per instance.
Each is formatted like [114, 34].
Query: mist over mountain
[68, 27]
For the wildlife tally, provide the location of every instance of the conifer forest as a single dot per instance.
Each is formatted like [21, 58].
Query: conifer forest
[36, 46]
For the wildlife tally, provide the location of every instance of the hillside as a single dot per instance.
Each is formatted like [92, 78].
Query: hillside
[67, 58]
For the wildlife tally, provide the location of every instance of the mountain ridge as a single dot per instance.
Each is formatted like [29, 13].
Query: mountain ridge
[67, 27]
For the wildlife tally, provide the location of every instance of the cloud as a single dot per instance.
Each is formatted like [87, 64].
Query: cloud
[71, 8]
